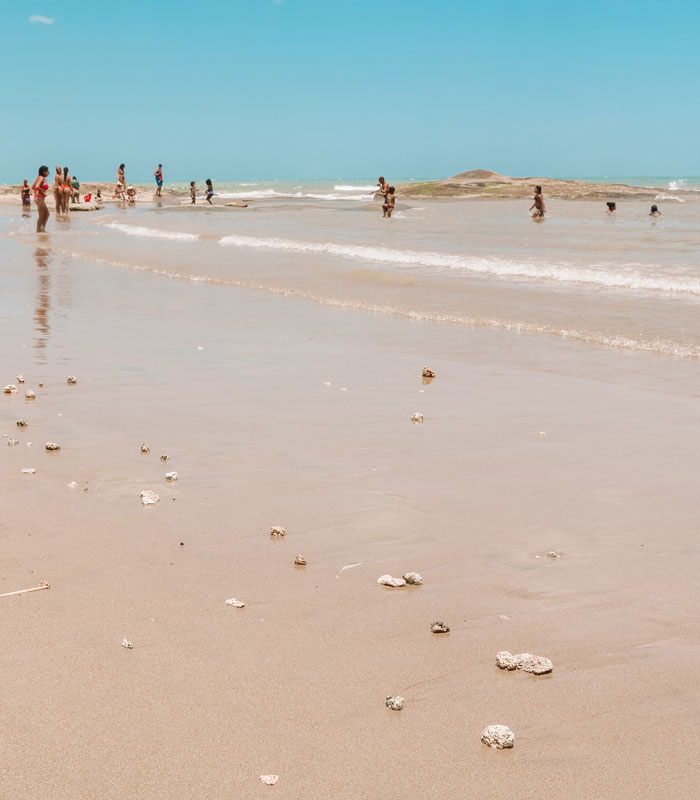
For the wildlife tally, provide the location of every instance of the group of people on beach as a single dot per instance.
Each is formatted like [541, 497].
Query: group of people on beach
[66, 190]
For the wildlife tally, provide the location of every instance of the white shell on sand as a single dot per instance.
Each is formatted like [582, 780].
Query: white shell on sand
[148, 498]
[11, 442]
[499, 737]
[417, 417]
[299, 560]
[28, 470]
[277, 530]
[20, 379]
[52, 446]
[22, 423]
[269, 780]
[171, 476]
[235, 603]
[387, 580]
[29, 394]
[553, 554]
[10, 388]
[127, 644]
[72, 485]
[394, 703]
[439, 627]
[71, 380]
[428, 373]
[537, 665]
[413, 578]
[145, 448]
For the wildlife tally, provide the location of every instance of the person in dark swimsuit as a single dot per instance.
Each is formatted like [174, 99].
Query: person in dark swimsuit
[538, 204]
[389, 202]
[41, 187]
[210, 191]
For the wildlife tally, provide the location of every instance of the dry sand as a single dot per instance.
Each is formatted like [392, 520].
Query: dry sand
[277, 412]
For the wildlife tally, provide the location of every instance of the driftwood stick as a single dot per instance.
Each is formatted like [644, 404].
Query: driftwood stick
[42, 585]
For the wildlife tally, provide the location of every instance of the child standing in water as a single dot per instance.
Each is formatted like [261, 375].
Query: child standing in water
[210, 191]
[389, 201]
[193, 192]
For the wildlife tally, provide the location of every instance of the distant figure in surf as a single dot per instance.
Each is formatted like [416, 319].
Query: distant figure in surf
[121, 183]
[58, 190]
[389, 201]
[654, 212]
[193, 192]
[158, 174]
[383, 186]
[67, 189]
[538, 204]
[210, 191]
[26, 192]
[612, 207]
[41, 187]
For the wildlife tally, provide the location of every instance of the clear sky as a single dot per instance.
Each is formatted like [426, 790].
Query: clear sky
[241, 89]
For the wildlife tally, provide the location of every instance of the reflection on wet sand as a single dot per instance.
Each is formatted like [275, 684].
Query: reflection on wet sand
[43, 299]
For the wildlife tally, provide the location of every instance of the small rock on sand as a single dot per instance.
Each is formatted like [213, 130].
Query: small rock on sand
[22, 423]
[394, 703]
[299, 560]
[417, 418]
[171, 476]
[553, 555]
[235, 603]
[52, 446]
[28, 470]
[387, 580]
[269, 780]
[12, 442]
[428, 373]
[439, 627]
[71, 380]
[413, 578]
[10, 388]
[145, 448]
[127, 644]
[29, 394]
[498, 737]
[537, 665]
[164, 458]
[20, 379]
[278, 531]
[149, 498]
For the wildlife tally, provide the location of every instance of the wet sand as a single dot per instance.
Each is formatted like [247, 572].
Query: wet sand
[298, 415]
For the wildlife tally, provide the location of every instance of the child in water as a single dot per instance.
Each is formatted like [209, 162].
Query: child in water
[210, 191]
[131, 194]
[193, 192]
[654, 212]
[612, 207]
[389, 201]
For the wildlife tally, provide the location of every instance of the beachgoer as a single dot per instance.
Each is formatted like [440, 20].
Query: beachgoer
[75, 194]
[131, 194]
[88, 197]
[383, 186]
[58, 190]
[67, 189]
[193, 192]
[654, 212]
[99, 194]
[612, 207]
[159, 179]
[210, 191]
[538, 204]
[121, 183]
[389, 201]
[41, 187]
[26, 195]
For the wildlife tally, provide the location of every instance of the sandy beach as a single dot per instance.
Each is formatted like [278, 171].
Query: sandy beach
[277, 406]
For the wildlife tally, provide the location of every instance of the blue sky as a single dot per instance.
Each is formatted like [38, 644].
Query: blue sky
[241, 89]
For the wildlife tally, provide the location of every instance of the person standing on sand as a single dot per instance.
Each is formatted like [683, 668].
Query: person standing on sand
[538, 204]
[41, 187]
[193, 192]
[159, 179]
[26, 192]
[210, 191]
[389, 201]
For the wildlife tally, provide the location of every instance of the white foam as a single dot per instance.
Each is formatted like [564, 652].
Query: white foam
[271, 194]
[344, 188]
[663, 196]
[631, 278]
[151, 233]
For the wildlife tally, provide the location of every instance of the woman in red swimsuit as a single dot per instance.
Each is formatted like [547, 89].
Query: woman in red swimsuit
[41, 187]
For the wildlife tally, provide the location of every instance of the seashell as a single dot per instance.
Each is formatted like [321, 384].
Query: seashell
[145, 448]
[439, 627]
[149, 498]
[387, 580]
[29, 394]
[428, 373]
[417, 417]
[41, 385]
[22, 423]
[299, 560]
[28, 470]
[553, 554]
[10, 388]
[11, 442]
[498, 737]
[277, 530]
[171, 476]
[235, 603]
[52, 446]
[127, 644]
[71, 380]
[20, 379]
[164, 458]
[394, 703]
[413, 578]
[72, 485]
[269, 780]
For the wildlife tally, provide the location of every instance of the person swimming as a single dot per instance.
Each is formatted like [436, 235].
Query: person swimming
[209, 192]
[654, 212]
[612, 207]
[41, 187]
[538, 204]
